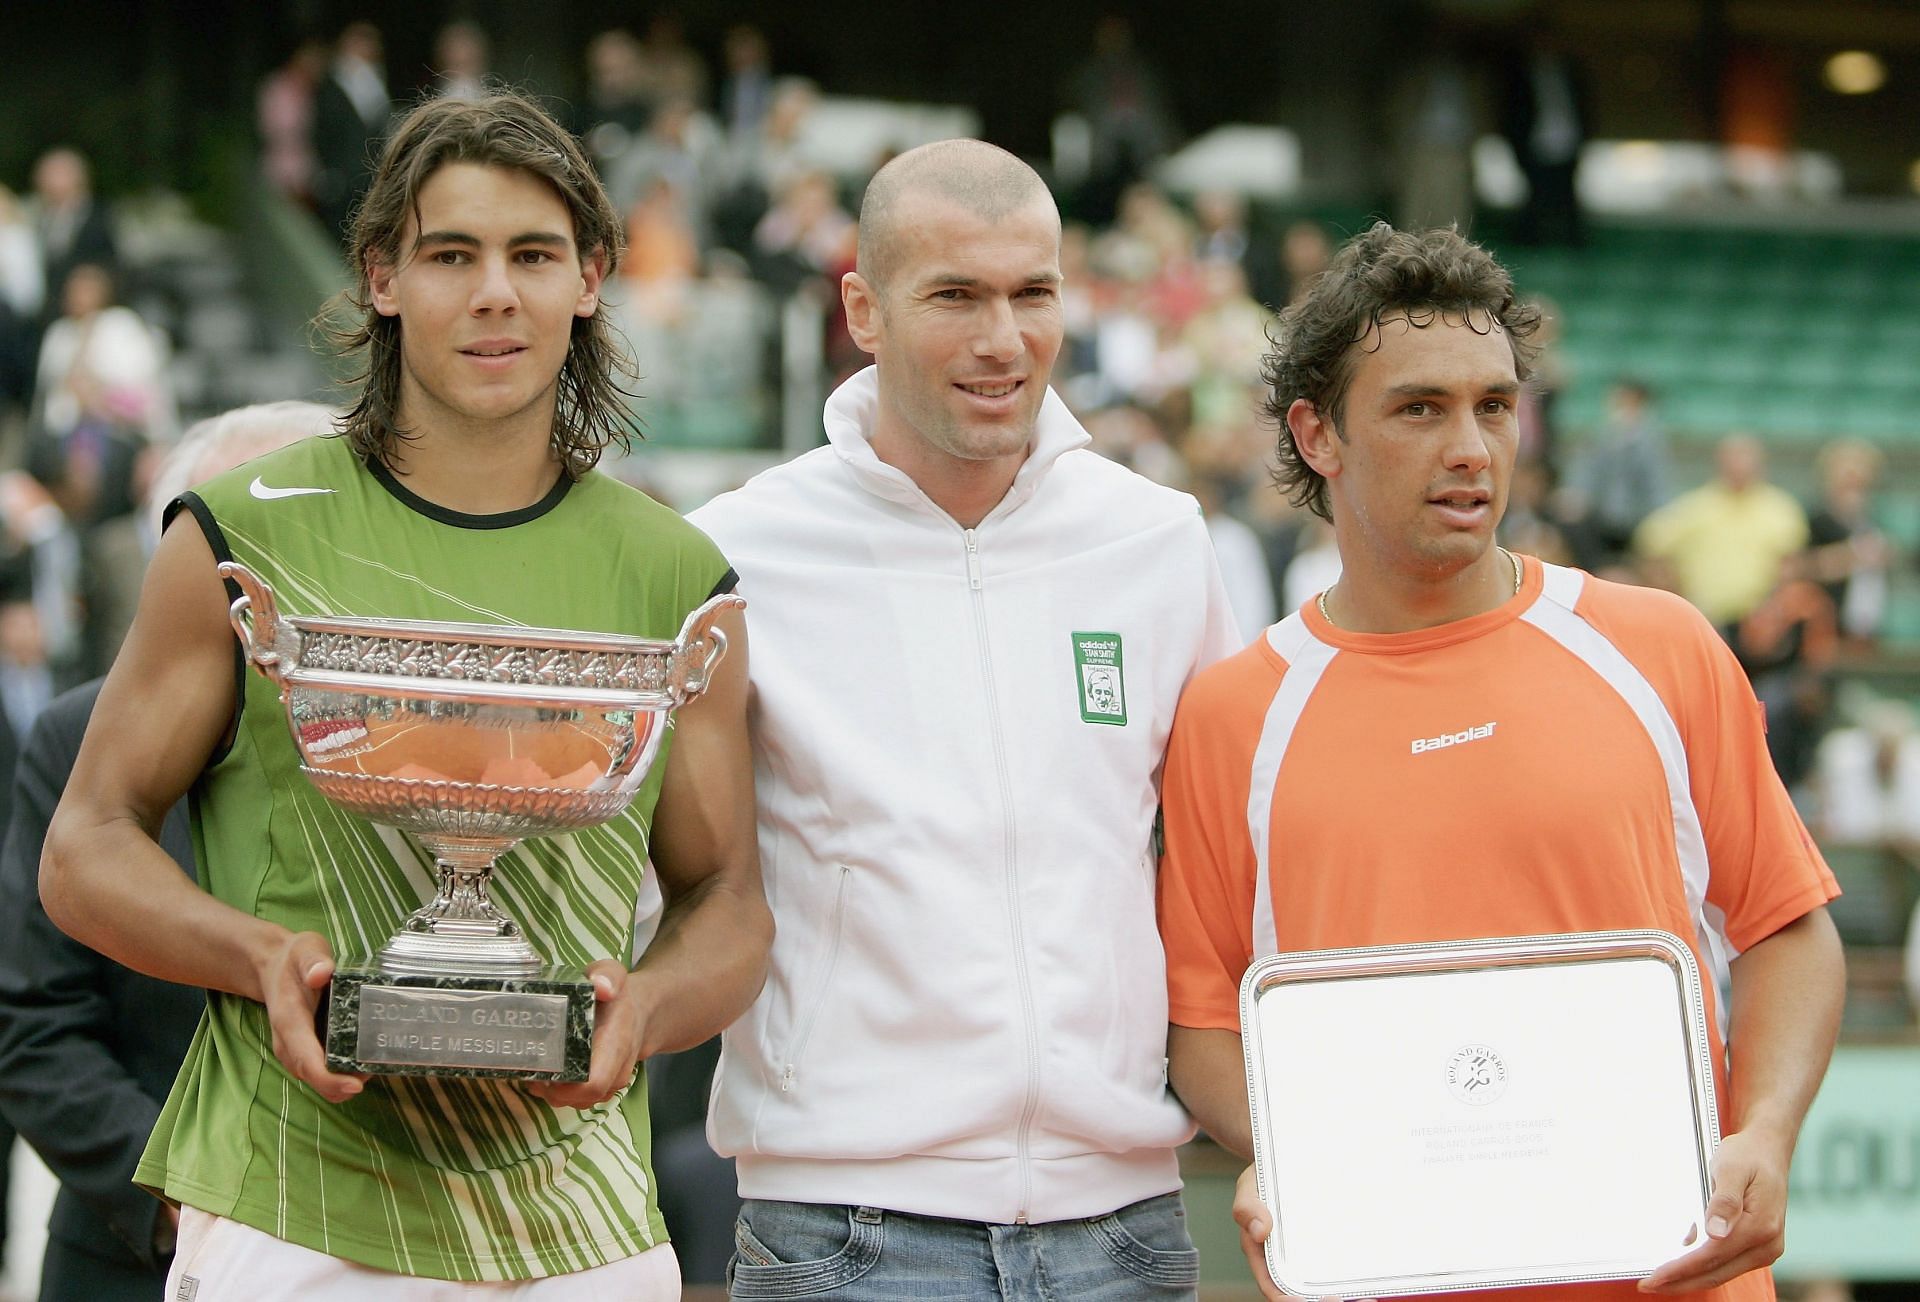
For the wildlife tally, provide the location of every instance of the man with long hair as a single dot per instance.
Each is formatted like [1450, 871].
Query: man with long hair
[461, 487]
[1561, 753]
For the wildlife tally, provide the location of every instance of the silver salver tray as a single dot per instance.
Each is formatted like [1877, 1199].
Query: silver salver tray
[1470, 1115]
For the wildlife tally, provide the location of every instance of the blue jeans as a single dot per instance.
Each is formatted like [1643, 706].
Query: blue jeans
[864, 1254]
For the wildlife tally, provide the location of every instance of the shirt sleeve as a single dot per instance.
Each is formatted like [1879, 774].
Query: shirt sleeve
[1206, 886]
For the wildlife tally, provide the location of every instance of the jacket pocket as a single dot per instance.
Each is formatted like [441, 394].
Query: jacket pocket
[822, 986]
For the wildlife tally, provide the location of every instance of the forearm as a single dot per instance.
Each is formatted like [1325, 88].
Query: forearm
[105, 882]
[1787, 995]
[1208, 1071]
[706, 965]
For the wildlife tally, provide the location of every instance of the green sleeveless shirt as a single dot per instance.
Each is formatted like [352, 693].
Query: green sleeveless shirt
[453, 1179]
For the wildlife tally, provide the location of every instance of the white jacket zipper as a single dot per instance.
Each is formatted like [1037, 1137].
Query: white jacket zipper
[1023, 978]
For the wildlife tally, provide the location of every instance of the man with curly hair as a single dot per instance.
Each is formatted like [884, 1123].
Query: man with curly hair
[1561, 753]
[461, 487]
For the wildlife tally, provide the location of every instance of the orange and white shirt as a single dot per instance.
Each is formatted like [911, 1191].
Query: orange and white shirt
[1586, 756]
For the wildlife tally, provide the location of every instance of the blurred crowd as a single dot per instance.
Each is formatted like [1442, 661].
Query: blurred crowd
[735, 206]
[84, 401]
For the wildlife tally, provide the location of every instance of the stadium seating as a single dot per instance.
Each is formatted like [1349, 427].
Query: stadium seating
[1799, 337]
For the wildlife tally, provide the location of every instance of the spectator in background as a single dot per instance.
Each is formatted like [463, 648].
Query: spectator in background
[350, 115]
[682, 145]
[663, 253]
[746, 91]
[23, 275]
[674, 69]
[1131, 436]
[1850, 556]
[1544, 118]
[26, 678]
[1435, 116]
[1217, 457]
[1220, 217]
[101, 394]
[41, 553]
[461, 54]
[88, 1048]
[805, 237]
[283, 116]
[1243, 563]
[618, 103]
[1225, 234]
[1722, 545]
[1868, 774]
[70, 227]
[1787, 645]
[1616, 480]
[1081, 302]
[759, 164]
[1126, 111]
[1226, 339]
[1528, 526]
[23, 288]
[1538, 403]
[1305, 251]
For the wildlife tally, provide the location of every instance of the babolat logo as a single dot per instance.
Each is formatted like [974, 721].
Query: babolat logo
[1461, 738]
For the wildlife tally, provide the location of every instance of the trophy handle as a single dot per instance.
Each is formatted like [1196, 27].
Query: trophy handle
[701, 637]
[255, 618]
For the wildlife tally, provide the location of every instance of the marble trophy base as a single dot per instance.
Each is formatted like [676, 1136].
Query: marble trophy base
[534, 1028]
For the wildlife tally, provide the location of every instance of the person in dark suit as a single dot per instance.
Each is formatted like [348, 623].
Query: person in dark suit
[69, 227]
[88, 1049]
[1544, 115]
[350, 113]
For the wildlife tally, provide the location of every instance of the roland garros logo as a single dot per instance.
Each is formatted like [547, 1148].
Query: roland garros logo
[1476, 1075]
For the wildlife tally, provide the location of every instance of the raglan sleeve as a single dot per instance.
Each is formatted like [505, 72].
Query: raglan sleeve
[1764, 870]
[1206, 885]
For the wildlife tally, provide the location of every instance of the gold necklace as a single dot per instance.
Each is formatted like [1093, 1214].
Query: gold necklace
[1519, 576]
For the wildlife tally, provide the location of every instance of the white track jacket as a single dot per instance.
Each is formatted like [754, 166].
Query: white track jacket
[957, 745]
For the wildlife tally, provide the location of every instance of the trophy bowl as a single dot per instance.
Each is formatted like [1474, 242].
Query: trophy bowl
[471, 738]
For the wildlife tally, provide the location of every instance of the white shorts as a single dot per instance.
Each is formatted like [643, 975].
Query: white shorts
[221, 1260]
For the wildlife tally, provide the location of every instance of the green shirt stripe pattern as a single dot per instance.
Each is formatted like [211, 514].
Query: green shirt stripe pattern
[451, 1179]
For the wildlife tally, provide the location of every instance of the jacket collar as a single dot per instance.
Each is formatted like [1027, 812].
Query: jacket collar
[849, 422]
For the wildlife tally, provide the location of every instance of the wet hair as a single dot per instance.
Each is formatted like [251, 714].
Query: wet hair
[500, 129]
[1380, 273]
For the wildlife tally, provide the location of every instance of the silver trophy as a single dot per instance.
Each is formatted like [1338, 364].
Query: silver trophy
[471, 738]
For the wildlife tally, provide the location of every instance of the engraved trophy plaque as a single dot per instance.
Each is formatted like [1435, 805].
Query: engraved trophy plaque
[470, 738]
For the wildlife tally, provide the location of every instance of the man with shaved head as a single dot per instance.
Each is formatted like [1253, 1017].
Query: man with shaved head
[970, 632]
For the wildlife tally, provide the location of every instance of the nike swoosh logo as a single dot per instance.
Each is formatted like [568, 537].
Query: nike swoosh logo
[260, 490]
